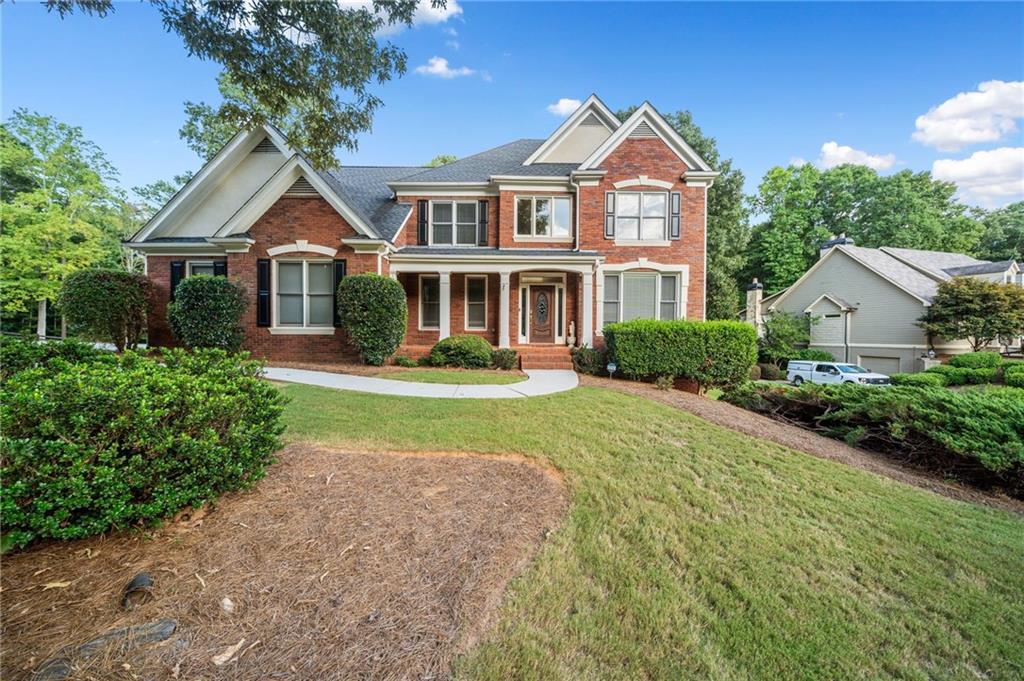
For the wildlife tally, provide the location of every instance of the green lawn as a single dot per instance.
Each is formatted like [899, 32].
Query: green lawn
[691, 551]
[455, 376]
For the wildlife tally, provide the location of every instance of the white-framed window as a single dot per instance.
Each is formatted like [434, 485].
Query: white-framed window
[640, 295]
[453, 223]
[641, 216]
[543, 217]
[476, 303]
[430, 302]
[199, 267]
[304, 293]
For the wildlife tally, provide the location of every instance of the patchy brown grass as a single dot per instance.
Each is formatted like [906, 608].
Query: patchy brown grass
[339, 565]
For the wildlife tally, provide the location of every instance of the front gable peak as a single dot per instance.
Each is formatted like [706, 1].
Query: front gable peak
[647, 123]
[582, 132]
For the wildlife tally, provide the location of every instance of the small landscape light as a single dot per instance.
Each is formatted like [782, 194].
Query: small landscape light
[612, 366]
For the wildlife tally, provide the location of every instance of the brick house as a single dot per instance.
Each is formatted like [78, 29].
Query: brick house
[535, 244]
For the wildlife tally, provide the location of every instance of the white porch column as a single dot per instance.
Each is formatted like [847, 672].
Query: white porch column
[587, 335]
[503, 293]
[446, 305]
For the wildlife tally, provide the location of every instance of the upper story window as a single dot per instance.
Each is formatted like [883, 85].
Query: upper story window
[453, 223]
[544, 217]
[641, 216]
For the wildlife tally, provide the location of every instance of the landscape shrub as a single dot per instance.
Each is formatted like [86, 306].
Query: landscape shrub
[976, 360]
[207, 313]
[373, 313]
[964, 376]
[926, 379]
[101, 445]
[811, 355]
[771, 372]
[975, 435]
[1013, 374]
[717, 353]
[467, 352]
[403, 361]
[664, 382]
[755, 372]
[590, 361]
[105, 305]
[18, 354]
[505, 358]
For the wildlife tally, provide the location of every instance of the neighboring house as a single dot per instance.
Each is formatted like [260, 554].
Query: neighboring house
[867, 301]
[535, 242]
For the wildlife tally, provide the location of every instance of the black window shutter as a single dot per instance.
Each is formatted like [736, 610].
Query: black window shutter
[339, 274]
[481, 225]
[421, 222]
[220, 268]
[263, 292]
[674, 229]
[609, 215]
[177, 274]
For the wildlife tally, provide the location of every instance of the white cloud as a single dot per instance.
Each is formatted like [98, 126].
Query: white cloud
[834, 154]
[564, 106]
[988, 178]
[424, 15]
[439, 68]
[985, 115]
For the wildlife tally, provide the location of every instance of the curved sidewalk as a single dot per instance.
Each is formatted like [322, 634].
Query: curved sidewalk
[538, 382]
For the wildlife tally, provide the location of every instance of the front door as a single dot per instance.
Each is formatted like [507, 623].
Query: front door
[542, 314]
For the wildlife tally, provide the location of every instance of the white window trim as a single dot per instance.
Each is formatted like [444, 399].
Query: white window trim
[532, 236]
[455, 224]
[419, 302]
[659, 299]
[190, 263]
[664, 241]
[305, 329]
[465, 309]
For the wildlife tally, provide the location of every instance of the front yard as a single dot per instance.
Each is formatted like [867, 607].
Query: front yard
[454, 376]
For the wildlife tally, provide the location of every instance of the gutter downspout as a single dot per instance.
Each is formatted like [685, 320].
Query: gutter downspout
[576, 235]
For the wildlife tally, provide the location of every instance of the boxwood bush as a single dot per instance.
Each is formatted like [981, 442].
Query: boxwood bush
[207, 313]
[468, 352]
[18, 354]
[976, 360]
[505, 358]
[1013, 374]
[100, 445]
[715, 353]
[927, 379]
[975, 435]
[373, 313]
[109, 306]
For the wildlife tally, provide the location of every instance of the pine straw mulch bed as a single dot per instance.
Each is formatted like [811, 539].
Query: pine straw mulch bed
[803, 440]
[338, 565]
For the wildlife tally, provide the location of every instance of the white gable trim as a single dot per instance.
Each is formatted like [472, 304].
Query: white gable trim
[592, 105]
[302, 246]
[647, 114]
[828, 296]
[205, 181]
[643, 180]
[277, 185]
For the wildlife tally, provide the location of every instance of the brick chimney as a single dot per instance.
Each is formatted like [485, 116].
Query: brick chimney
[755, 292]
[841, 240]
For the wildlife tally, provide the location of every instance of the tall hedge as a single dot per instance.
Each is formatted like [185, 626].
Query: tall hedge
[99, 445]
[106, 305]
[207, 313]
[718, 353]
[374, 314]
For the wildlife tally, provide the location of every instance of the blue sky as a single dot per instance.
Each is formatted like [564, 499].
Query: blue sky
[773, 82]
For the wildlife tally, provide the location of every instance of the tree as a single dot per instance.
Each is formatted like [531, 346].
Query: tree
[1003, 234]
[305, 67]
[977, 310]
[782, 333]
[728, 229]
[441, 160]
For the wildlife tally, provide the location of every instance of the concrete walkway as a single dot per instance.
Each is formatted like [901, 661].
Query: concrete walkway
[538, 382]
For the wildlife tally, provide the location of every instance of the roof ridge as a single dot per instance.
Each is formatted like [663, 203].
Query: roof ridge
[472, 156]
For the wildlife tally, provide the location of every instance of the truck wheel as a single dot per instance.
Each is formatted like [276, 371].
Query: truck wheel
[797, 381]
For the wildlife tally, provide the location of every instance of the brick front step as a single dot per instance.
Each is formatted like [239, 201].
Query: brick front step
[536, 364]
[544, 357]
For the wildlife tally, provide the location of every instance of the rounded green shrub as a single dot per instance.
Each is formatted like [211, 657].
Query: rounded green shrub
[207, 313]
[467, 352]
[771, 372]
[105, 305]
[505, 358]
[976, 360]
[1013, 374]
[591, 361]
[373, 313]
[404, 361]
[934, 380]
[95, 446]
[19, 354]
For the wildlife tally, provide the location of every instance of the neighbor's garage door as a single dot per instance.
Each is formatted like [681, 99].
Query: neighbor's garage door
[881, 365]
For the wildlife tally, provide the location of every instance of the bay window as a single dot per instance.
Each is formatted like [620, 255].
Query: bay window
[305, 293]
[453, 223]
[640, 295]
[543, 217]
[476, 303]
[641, 216]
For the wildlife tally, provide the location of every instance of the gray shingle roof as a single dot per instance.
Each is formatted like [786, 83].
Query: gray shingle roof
[934, 261]
[365, 190]
[981, 268]
[504, 160]
[895, 270]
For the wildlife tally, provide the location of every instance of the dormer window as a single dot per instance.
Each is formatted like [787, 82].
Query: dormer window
[453, 223]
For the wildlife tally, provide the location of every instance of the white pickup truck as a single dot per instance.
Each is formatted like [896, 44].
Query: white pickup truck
[798, 371]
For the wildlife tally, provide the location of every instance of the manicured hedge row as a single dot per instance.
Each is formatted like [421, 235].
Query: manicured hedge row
[19, 354]
[106, 444]
[1013, 374]
[976, 435]
[712, 353]
[954, 375]
[976, 360]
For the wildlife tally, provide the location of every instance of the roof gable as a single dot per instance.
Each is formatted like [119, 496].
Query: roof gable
[646, 122]
[578, 135]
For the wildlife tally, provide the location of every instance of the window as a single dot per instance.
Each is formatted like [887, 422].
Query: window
[205, 267]
[543, 216]
[305, 293]
[641, 216]
[476, 303]
[430, 302]
[640, 295]
[453, 223]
